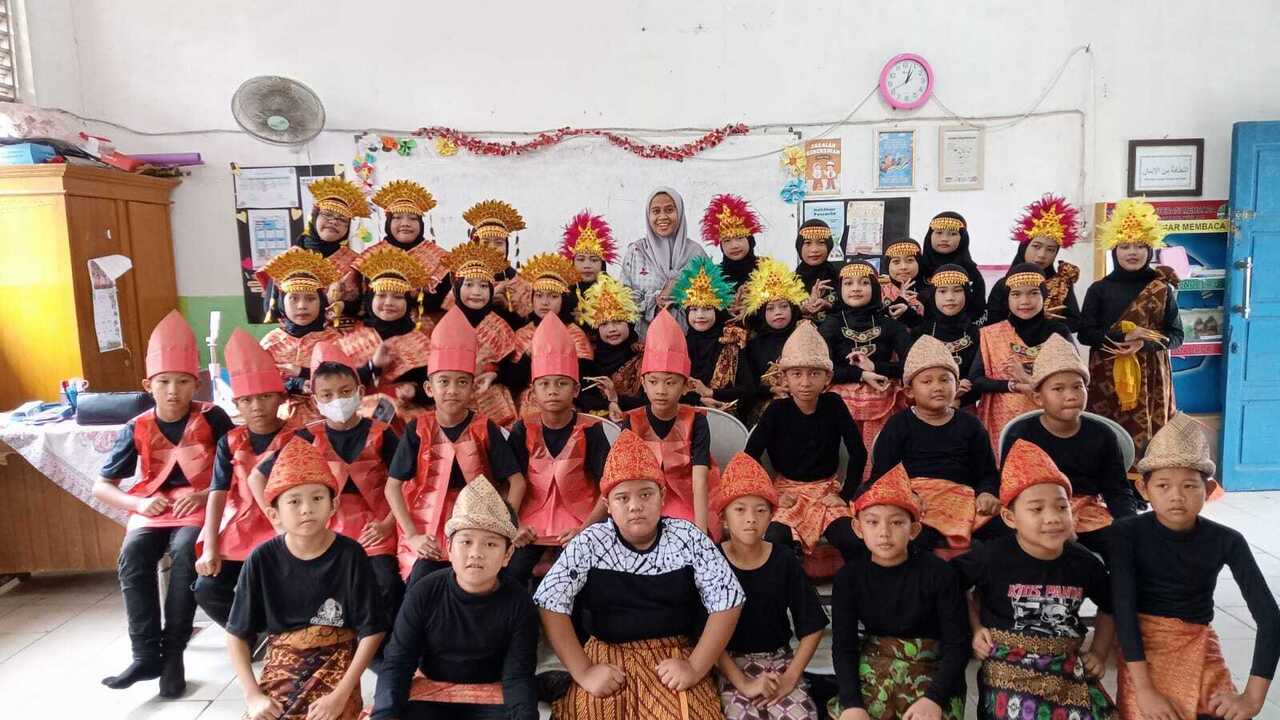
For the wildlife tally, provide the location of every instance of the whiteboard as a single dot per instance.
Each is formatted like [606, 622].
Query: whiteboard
[1041, 154]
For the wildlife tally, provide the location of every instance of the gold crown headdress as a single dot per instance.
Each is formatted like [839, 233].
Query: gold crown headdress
[491, 219]
[404, 196]
[475, 261]
[339, 197]
[549, 272]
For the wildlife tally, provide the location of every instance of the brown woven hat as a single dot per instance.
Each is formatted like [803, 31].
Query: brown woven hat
[1057, 354]
[805, 348]
[480, 507]
[1181, 443]
[928, 352]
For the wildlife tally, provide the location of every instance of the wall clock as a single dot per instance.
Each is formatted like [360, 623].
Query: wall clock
[906, 82]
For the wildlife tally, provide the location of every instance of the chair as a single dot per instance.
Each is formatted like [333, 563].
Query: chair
[611, 430]
[1128, 452]
[728, 435]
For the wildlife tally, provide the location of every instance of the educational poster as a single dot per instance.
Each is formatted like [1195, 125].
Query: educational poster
[960, 158]
[822, 163]
[272, 205]
[865, 219]
[830, 212]
[895, 157]
[103, 273]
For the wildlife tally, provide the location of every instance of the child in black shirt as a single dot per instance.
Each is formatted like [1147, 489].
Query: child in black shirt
[758, 669]
[1165, 566]
[313, 591]
[1025, 605]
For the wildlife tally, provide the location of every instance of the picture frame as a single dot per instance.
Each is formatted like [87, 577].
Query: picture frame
[961, 152]
[1166, 168]
[895, 159]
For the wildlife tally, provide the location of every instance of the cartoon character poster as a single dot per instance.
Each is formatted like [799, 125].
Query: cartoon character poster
[895, 159]
[822, 166]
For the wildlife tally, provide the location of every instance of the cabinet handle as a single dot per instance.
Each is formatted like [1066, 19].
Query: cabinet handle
[1247, 266]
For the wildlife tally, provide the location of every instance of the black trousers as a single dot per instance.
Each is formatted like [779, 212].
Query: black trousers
[416, 710]
[215, 593]
[139, 584]
[523, 561]
[386, 572]
[839, 533]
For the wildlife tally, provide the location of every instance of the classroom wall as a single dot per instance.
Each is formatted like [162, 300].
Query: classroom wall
[1154, 69]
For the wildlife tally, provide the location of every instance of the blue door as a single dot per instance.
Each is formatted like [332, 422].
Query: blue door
[1251, 412]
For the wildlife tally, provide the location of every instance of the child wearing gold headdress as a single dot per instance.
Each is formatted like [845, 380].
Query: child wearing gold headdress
[404, 204]
[771, 301]
[901, 283]
[1047, 226]
[718, 378]
[493, 222]
[300, 280]
[609, 309]
[1130, 320]
[474, 265]
[389, 342]
[552, 277]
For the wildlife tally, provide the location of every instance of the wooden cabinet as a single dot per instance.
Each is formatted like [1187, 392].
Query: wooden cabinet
[53, 220]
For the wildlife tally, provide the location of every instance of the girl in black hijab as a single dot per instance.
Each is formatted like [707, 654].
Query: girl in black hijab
[947, 243]
[946, 319]
[814, 243]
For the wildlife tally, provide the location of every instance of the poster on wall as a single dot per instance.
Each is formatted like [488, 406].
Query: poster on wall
[822, 163]
[865, 220]
[861, 225]
[272, 206]
[895, 158]
[960, 151]
[830, 212]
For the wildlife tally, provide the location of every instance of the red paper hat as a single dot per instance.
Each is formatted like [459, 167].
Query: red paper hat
[743, 477]
[630, 459]
[665, 349]
[453, 344]
[728, 217]
[328, 351]
[172, 347]
[299, 463]
[1026, 465]
[892, 488]
[552, 350]
[1049, 217]
[253, 371]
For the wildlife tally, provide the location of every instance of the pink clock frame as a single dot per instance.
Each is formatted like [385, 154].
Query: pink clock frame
[884, 82]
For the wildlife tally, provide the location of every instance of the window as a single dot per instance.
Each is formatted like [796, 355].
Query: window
[8, 76]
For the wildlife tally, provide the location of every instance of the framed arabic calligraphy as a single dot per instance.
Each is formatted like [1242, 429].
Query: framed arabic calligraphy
[1164, 168]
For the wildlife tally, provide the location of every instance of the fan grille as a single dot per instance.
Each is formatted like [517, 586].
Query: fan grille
[278, 110]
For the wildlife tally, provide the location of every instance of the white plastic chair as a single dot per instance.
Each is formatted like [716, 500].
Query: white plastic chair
[611, 430]
[1127, 450]
[728, 435]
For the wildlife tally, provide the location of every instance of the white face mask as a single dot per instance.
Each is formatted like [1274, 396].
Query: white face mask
[340, 410]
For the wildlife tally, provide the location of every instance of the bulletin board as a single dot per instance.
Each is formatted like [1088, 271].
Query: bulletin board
[272, 206]
[862, 225]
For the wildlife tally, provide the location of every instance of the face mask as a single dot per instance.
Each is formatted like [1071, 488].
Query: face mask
[340, 410]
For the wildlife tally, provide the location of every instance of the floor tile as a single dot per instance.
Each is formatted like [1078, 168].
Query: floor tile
[13, 643]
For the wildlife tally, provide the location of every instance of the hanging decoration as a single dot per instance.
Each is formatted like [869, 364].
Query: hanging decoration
[793, 160]
[793, 191]
[445, 147]
[476, 146]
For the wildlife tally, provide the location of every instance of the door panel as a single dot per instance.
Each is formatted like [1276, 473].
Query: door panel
[95, 229]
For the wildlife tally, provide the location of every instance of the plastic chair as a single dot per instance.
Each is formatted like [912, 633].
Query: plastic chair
[611, 430]
[728, 435]
[1128, 452]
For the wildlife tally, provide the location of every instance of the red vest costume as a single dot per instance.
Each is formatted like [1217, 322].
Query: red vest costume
[675, 455]
[244, 525]
[369, 473]
[429, 497]
[559, 496]
[194, 453]
[286, 349]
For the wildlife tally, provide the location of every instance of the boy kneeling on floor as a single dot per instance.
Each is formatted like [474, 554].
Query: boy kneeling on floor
[313, 591]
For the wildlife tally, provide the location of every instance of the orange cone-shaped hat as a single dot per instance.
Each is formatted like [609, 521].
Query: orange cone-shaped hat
[665, 349]
[172, 347]
[552, 350]
[453, 344]
[299, 463]
[743, 476]
[1027, 465]
[252, 369]
[630, 459]
[892, 488]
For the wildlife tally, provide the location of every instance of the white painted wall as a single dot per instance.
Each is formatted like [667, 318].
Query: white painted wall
[1155, 69]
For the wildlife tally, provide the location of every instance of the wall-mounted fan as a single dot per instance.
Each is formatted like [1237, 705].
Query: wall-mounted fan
[278, 110]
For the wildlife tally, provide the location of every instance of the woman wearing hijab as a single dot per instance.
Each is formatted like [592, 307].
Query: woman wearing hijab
[947, 243]
[1047, 226]
[1001, 374]
[405, 204]
[1130, 320]
[651, 264]
[867, 350]
[949, 294]
[814, 243]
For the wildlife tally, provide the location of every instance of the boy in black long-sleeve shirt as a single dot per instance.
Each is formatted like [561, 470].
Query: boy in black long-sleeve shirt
[1164, 567]
[1084, 449]
[472, 635]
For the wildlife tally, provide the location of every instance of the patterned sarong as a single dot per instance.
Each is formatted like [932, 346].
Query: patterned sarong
[795, 706]
[304, 665]
[871, 409]
[1032, 677]
[950, 509]
[895, 673]
[643, 696]
[1089, 513]
[1186, 666]
[424, 689]
[808, 518]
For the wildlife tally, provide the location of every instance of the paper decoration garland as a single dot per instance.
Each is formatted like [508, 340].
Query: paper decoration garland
[477, 146]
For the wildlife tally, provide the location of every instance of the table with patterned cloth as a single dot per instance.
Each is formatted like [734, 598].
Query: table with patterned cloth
[50, 520]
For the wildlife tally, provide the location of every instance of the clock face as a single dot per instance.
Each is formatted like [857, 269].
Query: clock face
[906, 82]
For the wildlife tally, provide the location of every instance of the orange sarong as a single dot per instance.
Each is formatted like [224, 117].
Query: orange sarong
[871, 409]
[1186, 665]
[951, 509]
[808, 517]
[1089, 513]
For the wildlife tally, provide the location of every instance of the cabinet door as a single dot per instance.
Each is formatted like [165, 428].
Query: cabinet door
[150, 245]
[96, 229]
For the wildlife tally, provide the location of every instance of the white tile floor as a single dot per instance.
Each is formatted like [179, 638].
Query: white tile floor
[60, 634]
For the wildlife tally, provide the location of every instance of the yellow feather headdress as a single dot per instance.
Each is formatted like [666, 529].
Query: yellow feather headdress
[771, 280]
[1133, 220]
[404, 196]
[340, 197]
[607, 300]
